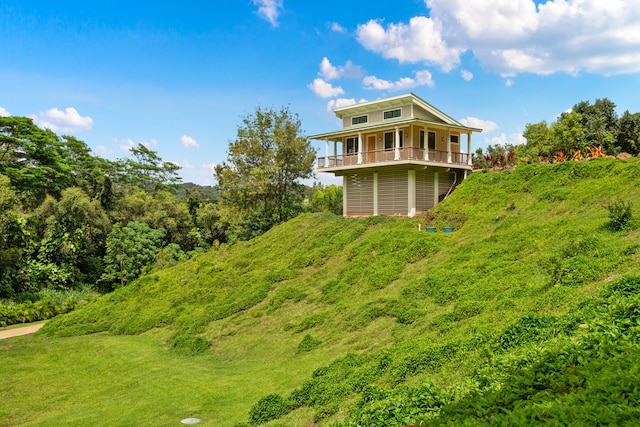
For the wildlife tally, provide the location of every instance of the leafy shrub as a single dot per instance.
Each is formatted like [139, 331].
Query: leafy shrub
[574, 271]
[268, 408]
[189, 344]
[43, 305]
[307, 344]
[620, 215]
[527, 329]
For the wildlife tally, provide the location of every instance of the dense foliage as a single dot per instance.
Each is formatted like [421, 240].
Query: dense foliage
[69, 219]
[260, 181]
[530, 305]
[574, 134]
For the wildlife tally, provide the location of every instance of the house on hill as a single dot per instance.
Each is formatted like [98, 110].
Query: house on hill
[397, 156]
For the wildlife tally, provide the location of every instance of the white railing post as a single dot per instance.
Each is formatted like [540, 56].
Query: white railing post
[359, 148]
[396, 144]
[326, 152]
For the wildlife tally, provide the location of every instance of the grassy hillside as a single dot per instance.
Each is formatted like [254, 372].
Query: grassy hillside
[529, 307]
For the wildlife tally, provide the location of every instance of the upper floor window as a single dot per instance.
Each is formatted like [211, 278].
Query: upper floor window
[455, 139]
[392, 114]
[389, 139]
[431, 140]
[359, 119]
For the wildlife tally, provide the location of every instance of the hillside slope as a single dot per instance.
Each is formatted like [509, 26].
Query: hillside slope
[356, 316]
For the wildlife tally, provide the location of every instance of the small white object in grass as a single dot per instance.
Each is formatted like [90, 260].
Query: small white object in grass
[191, 421]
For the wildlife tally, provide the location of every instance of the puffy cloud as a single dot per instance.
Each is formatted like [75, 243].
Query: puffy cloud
[68, 120]
[269, 10]
[502, 139]
[474, 122]
[187, 142]
[509, 37]
[508, 83]
[330, 72]
[342, 102]
[419, 41]
[4, 113]
[324, 89]
[423, 78]
[466, 75]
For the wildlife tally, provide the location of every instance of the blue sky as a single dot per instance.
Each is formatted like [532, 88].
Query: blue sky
[179, 76]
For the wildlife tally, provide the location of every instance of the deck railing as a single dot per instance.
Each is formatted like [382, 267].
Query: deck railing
[389, 156]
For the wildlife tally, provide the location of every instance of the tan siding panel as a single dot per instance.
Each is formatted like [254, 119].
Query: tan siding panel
[393, 192]
[360, 194]
[421, 113]
[424, 190]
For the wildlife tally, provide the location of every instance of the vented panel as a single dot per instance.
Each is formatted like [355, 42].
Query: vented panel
[360, 194]
[424, 190]
[393, 192]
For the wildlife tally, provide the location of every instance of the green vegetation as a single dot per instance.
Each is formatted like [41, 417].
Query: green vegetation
[584, 131]
[70, 220]
[527, 313]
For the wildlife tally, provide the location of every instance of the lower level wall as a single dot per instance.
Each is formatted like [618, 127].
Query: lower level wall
[394, 191]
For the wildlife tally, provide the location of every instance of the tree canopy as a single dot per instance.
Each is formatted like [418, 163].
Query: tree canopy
[260, 183]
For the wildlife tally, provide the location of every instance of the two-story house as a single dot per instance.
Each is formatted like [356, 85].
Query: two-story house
[397, 156]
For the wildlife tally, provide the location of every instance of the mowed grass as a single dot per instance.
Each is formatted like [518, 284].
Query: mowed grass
[379, 301]
[129, 381]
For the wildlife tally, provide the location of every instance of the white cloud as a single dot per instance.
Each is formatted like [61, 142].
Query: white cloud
[423, 78]
[127, 144]
[509, 37]
[502, 139]
[104, 151]
[513, 36]
[341, 102]
[187, 142]
[68, 120]
[508, 83]
[269, 10]
[184, 164]
[419, 41]
[330, 72]
[4, 113]
[324, 89]
[466, 75]
[337, 28]
[474, 122]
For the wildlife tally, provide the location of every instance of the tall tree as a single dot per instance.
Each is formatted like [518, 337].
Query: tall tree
[600, 123]
[146, 170]
[629, 132]
[32, 159]
[260, 180]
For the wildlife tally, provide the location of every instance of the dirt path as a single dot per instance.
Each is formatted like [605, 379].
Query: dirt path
[15, 332]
